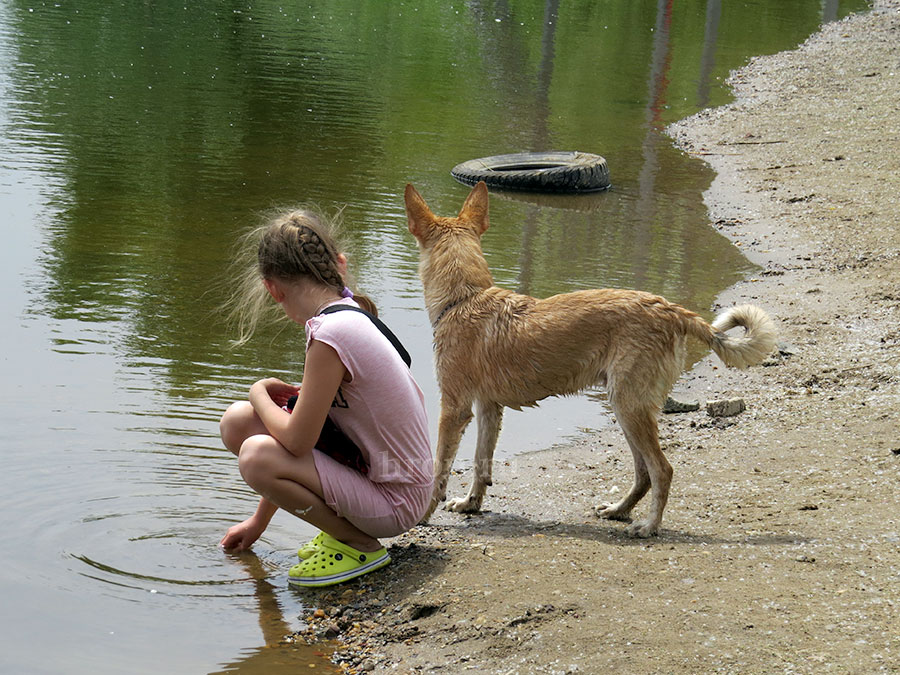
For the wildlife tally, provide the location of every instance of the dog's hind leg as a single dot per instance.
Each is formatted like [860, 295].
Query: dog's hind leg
[490, 417]
[453, 422]
[621, 510]
[642, 433]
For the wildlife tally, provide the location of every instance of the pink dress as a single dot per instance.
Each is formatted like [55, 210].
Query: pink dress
[382, 410]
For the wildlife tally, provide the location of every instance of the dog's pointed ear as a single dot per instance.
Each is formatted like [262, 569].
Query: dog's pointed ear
[475, 208]
[417, 212]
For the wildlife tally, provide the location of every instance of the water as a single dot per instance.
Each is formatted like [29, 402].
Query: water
[137, 140]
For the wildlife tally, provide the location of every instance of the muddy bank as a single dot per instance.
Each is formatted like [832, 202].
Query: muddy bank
[780, 548]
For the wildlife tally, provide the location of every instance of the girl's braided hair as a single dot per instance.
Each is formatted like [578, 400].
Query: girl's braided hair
[294, 245]
[297, 245]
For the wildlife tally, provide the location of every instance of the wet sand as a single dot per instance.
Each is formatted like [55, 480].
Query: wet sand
[780, 547]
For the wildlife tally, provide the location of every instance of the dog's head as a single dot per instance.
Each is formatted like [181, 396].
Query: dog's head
[450, 248]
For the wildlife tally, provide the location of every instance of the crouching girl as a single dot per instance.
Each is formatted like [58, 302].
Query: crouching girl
[348, 449]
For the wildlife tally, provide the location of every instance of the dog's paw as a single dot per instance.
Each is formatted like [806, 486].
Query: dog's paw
[439, 493]
[431, 508]
[437, 496]
[613, 512]
[642, 530]
[464, 505]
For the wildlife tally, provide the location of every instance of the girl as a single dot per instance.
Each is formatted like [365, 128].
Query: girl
[354, 378]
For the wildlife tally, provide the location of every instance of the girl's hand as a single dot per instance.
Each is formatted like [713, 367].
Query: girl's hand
[298, 431]
[279, 392]
[240, 537]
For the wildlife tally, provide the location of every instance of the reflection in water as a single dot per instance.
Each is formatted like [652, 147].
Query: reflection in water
[137, 140]
[657, 85]
[542, 139]
[830, 10]
[278, 655]
[708, 58]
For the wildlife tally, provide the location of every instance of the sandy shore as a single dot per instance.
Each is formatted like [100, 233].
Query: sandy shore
[780, 548]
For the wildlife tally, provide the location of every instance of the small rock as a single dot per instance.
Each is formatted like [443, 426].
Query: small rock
[726, 407]
[672, 406]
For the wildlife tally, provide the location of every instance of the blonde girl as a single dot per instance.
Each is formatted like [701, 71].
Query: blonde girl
[355, 380]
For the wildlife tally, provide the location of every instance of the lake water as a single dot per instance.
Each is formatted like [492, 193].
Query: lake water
[139, 139]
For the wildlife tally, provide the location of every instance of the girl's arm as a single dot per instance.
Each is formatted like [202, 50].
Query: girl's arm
[240, 537]
[298, 431]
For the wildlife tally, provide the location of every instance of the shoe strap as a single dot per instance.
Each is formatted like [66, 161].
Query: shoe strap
[333, 544]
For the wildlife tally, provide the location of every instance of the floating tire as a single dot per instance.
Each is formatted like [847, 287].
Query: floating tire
[537, 172]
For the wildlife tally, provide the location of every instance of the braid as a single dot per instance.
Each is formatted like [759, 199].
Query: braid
[320, 256]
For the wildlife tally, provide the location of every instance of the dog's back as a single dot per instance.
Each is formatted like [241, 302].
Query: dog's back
[517, 350]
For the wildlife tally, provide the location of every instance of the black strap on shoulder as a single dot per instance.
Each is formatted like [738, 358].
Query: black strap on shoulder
[378, 324]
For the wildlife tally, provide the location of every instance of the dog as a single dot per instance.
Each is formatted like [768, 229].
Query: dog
[495, 348]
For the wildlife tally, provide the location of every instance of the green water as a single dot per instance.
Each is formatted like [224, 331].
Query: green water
[138, 139]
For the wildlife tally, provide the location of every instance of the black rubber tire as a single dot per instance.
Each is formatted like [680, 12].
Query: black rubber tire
[537, 172]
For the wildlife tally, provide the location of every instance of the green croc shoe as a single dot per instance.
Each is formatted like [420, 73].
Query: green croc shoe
[310, 547]
[334, 562]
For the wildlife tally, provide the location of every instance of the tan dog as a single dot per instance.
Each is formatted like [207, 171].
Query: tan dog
[496, 348]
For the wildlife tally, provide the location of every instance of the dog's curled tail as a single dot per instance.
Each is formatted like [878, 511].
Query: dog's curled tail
[740, 351]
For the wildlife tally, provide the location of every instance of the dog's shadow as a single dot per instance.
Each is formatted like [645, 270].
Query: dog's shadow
[508, 525]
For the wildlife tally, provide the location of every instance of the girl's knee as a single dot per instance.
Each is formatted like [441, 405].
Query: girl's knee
[235, 425]
[256, 460]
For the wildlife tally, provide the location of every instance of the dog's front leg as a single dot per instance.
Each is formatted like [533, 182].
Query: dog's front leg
[453, 422]
[490, 417]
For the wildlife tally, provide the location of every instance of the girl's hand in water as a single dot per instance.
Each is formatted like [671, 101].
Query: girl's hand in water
[241, 537]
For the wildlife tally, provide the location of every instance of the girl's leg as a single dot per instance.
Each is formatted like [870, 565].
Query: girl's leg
[239, 423]
[293, 484]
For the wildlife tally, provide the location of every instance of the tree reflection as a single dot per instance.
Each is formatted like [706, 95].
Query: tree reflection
[169, 127]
